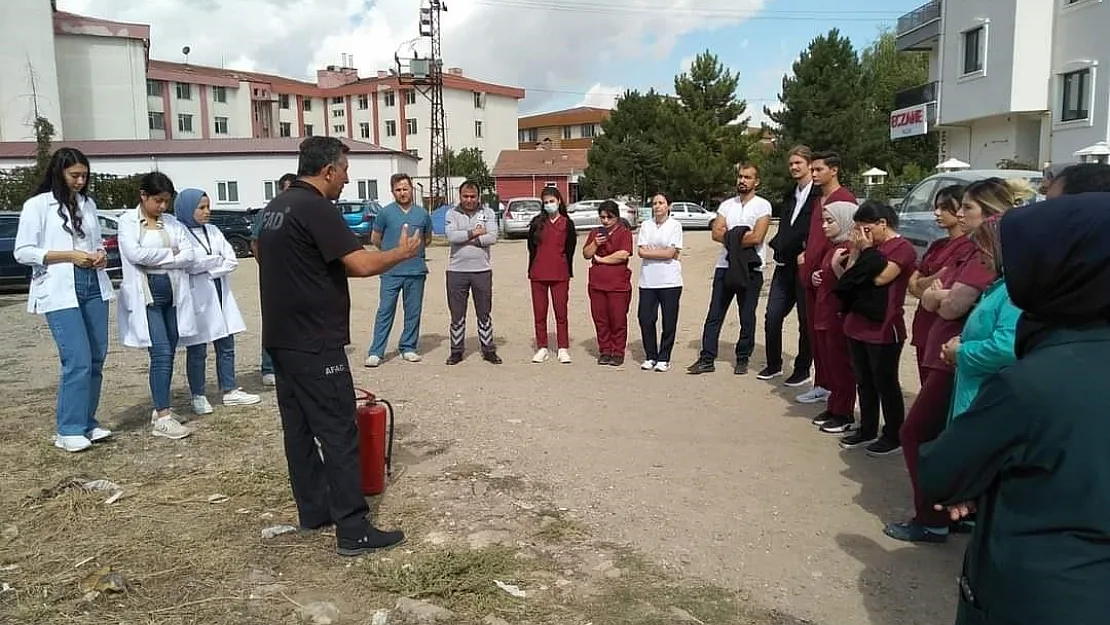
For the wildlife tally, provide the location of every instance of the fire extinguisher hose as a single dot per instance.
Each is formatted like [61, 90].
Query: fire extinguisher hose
[389, 440]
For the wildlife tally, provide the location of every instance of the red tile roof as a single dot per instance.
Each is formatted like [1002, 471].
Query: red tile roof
[539, 163]
[566, 117]
[187, 147]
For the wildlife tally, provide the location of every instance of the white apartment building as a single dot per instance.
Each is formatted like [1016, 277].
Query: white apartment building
[129, 96]
[1012, 82]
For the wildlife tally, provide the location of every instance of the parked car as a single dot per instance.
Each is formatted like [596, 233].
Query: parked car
[584, 214]
[359, 215]
[109, 233]
[693, 216]
[12, 274]
[915, 212]
[236, 228]
[518, 214]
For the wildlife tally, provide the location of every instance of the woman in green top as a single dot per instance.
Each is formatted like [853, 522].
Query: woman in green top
[986, 344]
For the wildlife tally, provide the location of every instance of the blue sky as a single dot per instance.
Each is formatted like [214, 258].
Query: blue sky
[761, 48]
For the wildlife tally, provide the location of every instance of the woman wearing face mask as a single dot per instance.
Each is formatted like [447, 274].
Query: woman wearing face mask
[828, 323]
[59, 238]
[659, 244]
[217, 314]
[551, 243]
[156, 302]
[608, 249]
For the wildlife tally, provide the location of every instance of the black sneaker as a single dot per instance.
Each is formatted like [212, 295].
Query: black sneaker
[492, 358]
[700, 367]
[741, 368]
[883, 447]
[839, 424]
[823, 418]
[914, 532]
[616, 361]
[798, 378]
[455, 358]
[373, 540]
[856, 439]
[769, 373]
[604, 360]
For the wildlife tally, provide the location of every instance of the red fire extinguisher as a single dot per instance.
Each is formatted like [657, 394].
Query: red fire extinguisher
[374, 419]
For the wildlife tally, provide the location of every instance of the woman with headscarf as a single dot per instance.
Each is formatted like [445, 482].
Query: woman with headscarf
[828, 323]
[217, 314]
[1030, 453]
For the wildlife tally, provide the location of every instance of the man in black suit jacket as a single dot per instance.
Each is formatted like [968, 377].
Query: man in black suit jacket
[787, 290]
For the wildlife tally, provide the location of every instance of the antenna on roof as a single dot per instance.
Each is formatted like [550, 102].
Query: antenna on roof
[186, 51]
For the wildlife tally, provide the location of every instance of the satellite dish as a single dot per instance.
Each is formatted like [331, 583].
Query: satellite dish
[185, 50]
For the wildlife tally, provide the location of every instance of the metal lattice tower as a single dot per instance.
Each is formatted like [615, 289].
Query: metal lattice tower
[426, 76]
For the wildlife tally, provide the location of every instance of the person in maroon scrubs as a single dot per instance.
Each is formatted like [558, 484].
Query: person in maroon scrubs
[608, 249]
[936, 263]
[551, 243]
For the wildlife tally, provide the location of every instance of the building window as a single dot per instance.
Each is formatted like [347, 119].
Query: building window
[337, 100]
[308, 130]
[566, 132]
[528, 135]
[391, 128]
[339, 128]
[478, 129]
[479, 100]
[414, 153]
[184, 122]
[221, 125]
[410, 126]
[219, 94]
[974, 44]
[338, 113]
[367, 189]
[410, 96]
[268, 189]
[154, 88]
[364, 130]
[285, 129]
[551, 184]
[589, 131]
[363, 102]
[184, 91]
[389, 98]
[227, 191]
[283, 100]
[1076, 95]
[307, 105]
[156, 120]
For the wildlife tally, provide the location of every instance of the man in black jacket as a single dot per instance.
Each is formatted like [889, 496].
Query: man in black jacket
[787, 289]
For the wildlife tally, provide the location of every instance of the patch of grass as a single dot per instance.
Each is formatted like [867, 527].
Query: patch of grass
[460, 580]
[558, 529]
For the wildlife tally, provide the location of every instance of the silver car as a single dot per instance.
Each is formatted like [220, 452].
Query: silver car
[585, 215]
[518, 214]
[692, 216]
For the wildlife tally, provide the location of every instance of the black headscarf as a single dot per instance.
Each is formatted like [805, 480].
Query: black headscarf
[1057, 259]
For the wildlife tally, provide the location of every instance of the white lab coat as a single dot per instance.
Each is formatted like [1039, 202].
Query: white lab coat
[40, 231]
[133, 328]
[213, 320]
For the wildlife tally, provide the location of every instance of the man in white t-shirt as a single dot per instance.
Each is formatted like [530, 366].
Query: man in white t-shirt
[749, 210]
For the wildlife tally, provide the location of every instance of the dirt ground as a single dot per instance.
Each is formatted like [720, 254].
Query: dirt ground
[608, 496]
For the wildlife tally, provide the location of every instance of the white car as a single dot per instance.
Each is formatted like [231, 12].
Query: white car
[692, 216]
[584, 214]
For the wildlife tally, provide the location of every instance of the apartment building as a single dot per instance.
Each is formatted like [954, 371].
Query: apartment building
[130, 96]
[1010, 83]
[573, 128]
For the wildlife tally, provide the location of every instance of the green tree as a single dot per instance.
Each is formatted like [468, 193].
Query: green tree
[626, 158]
[467, 163]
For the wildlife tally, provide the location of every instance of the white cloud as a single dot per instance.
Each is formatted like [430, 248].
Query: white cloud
[602, 96]
[685, 63]
[506, 41]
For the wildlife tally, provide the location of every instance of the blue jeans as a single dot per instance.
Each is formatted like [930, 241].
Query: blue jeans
[195, 363]
[411, 291]
[81, 335]
[267, 362]
[161, 319]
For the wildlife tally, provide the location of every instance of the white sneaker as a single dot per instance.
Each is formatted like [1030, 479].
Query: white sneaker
[239, 397]
[541, 355]
[564, 356]
[171, 428]
[268, 379]
[813, 396]
[411, 357]
[662, 367]
[372, 361]
[648, 365]
[99, 434]
[72, 444]
[201, 405]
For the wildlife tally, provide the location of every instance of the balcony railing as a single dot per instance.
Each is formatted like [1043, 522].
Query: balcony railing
[921, 94]
[919, 17]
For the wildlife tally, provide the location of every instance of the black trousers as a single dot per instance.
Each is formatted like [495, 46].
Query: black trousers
[460, 286]
[316, 398]
[876, 368]
[787, 291]
[720, 300]
[658, 348]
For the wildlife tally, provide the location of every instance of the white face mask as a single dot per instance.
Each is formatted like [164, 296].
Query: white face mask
[551, 208]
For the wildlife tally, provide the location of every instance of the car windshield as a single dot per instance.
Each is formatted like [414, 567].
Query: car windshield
[525, 206]
[350, 208]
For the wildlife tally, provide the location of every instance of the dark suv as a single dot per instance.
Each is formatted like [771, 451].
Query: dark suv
[11, 272]
[236, 228]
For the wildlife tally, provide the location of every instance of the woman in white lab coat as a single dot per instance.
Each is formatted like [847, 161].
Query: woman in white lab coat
[59, 238]
[217, 315]
[156, 303]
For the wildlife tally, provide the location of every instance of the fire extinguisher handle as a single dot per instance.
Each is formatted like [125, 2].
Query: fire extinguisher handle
[389, 440]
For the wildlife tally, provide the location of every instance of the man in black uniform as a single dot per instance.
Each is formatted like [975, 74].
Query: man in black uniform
[305, 254]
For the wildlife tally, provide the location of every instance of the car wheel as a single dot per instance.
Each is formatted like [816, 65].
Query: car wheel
[241, 246]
